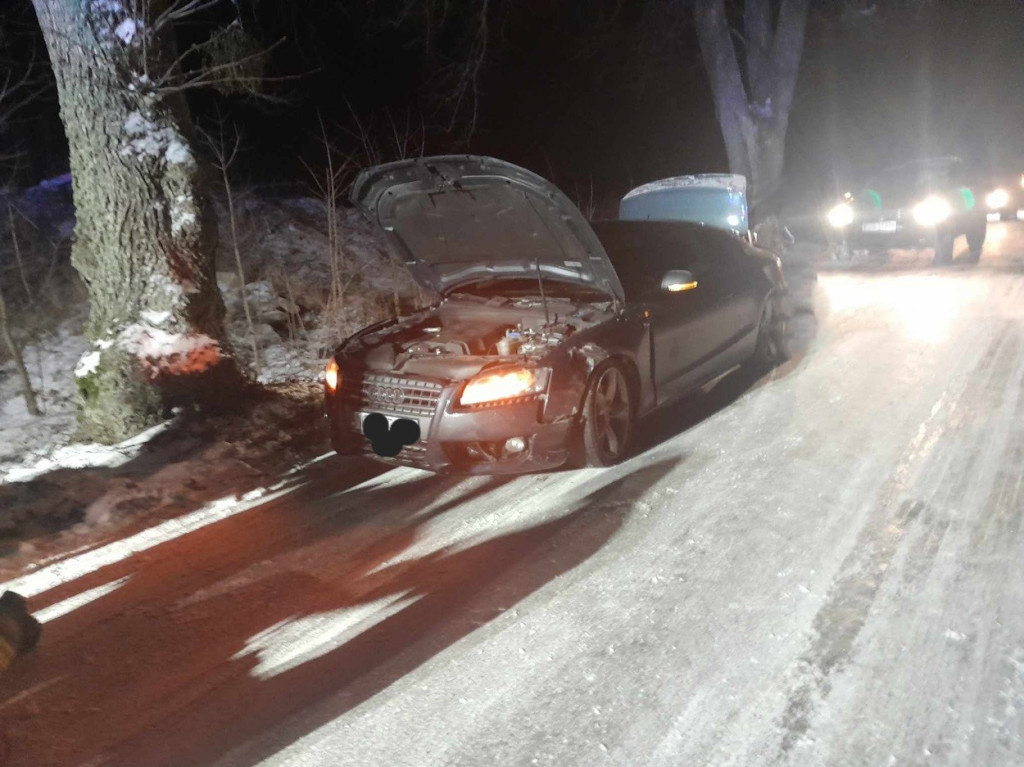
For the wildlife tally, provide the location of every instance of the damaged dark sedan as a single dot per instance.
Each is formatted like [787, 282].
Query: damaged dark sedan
[551, 336]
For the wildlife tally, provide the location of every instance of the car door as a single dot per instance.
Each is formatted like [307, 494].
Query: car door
[743, 287]
[685, 325]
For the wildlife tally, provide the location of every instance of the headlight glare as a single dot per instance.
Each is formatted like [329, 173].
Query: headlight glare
[931, 211]
[499, 385]
[332, 376]
[997, 198]
[841, 215]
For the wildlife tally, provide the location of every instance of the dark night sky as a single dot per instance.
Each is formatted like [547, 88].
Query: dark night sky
[571, 90]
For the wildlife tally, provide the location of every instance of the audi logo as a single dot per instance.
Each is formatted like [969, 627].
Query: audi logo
[388, 394]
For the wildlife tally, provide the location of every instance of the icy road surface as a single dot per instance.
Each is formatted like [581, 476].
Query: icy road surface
[827, 569]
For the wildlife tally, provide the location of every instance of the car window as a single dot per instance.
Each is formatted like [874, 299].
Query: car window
[723, 251]
[642, 251]
[715, 245]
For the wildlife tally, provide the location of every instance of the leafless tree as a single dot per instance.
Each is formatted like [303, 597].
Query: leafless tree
[144, 236]
[224, 144]
[16, 92]
[753, 74]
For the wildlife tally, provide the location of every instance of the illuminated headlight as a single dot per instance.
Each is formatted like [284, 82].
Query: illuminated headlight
[841, 215]
[502, 385]
[997, 198]
[931, 211]
[332, 376]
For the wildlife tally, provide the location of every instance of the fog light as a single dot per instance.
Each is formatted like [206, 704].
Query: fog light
[515, 445]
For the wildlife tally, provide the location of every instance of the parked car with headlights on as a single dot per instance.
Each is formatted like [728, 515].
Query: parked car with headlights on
[920, 204]
[1005, 200]
[550, 337]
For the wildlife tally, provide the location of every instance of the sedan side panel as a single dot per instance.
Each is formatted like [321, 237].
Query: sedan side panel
[694, 328]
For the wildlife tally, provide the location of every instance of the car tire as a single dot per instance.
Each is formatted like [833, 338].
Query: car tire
[976, 241]
[943, 249]
[772, 345]
[607, 416]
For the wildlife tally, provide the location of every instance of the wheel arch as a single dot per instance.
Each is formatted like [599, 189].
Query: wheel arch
[628, 366]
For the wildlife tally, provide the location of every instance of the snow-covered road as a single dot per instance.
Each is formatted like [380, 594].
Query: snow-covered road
[824, 569]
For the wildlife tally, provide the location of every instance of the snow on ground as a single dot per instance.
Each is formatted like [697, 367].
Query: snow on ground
[79, 455]
[825, 569]
[287, 281]
[26, 440]
[31, 446]
[293, 345]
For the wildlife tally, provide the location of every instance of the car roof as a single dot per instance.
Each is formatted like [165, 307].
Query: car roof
[617, 223]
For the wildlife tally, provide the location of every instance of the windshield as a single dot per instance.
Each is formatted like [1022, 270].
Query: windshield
[914, 177]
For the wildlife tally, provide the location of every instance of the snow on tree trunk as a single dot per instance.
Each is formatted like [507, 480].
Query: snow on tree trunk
[142, 239]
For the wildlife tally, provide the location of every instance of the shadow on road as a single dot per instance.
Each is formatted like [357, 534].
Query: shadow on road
[152, 673]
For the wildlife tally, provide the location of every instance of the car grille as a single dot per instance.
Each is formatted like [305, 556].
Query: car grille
[399, 395]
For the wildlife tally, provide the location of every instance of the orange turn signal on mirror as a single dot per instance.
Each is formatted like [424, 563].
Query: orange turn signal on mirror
[679, 287]
[332, 376]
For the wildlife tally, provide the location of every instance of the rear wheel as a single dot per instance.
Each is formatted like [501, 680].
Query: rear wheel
[772, 346]
[976, 240]
[607, 417]
[943, 249]
[841, 251]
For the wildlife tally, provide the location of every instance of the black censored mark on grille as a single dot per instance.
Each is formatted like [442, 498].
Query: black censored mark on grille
[388, 441]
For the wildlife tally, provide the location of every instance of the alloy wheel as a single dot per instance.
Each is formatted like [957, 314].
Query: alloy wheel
[612, 411]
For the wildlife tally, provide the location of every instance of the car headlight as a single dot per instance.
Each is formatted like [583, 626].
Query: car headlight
[841, 215]
[997, 198]
[332, 376]
[931, 211]
[500, 385]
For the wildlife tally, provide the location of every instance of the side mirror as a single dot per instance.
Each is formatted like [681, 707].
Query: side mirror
[678, 281]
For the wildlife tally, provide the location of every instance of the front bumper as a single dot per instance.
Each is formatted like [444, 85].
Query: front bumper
[460, 441]
[901, 235]
[1009, 213]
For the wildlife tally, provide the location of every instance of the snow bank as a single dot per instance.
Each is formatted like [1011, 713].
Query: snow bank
[78, 456]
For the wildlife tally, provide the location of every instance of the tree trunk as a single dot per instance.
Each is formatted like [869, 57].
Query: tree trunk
[143, 238]
[765, 167]
[753, 112]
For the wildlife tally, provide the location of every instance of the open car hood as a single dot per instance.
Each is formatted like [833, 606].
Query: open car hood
[712, 199]
[460, 218]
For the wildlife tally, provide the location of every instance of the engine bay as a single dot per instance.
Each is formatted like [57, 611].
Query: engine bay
[521, 328]
[461, 328]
